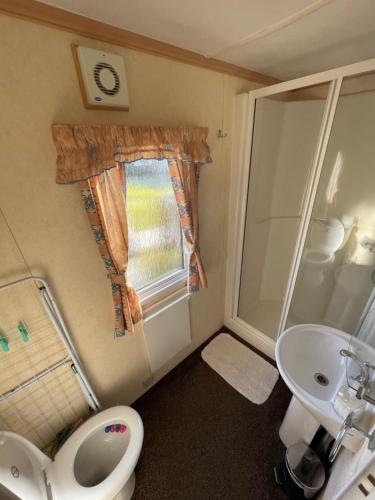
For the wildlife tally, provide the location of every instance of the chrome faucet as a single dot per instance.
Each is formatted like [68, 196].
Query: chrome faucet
[363, 378]
[362, 393]
[348, 424]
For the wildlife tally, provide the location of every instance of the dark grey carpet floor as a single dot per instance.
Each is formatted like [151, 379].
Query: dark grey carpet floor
[204, 440]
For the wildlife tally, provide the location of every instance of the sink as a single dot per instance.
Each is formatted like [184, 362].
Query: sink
[308, 358]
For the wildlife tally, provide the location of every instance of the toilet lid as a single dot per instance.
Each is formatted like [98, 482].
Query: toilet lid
[327, 236]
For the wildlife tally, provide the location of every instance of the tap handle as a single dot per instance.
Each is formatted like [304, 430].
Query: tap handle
[360, 392]
[371, 441]
[369, 365]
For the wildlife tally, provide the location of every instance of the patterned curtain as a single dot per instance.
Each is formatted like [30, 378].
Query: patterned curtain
[94, 156]
[84, 151]
[185, 178]
[104, 199]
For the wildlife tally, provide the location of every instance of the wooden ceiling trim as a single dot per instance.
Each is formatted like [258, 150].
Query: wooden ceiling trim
[68, 21]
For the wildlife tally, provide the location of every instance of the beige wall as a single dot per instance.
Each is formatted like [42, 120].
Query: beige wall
[39, 87]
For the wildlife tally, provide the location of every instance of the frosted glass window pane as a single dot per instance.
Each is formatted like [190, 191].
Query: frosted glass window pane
[155, 240]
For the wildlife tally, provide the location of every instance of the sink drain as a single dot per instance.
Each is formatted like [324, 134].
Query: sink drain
[321, 379]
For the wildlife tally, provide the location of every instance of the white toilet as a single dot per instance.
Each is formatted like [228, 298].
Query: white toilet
[92, 464]
[314, 286]
[325, 239]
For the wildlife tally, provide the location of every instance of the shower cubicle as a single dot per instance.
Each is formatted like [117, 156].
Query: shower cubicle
[302, 205]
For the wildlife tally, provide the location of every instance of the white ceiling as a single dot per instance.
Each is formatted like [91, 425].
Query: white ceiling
[280, 38]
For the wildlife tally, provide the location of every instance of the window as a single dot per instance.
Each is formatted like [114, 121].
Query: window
[156, 250]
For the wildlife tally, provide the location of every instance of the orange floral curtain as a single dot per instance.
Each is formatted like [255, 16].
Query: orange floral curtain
[185, 184]
[84, 151]
[94, 156]
[104, 201]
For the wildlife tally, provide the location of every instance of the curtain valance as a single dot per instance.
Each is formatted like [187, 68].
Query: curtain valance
[93, 155]
[84, 151]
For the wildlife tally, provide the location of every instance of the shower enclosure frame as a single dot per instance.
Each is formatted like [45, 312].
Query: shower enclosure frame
[239, 186]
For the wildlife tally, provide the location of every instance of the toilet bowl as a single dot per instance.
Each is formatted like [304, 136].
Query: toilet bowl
[315, 280]
[315, 262]
[326, 237]
[94, 463]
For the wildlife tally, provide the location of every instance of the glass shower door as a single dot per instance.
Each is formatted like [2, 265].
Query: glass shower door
[337, 271]
[285, 136]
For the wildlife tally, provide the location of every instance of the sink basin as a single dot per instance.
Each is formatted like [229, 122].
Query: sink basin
[308, 358]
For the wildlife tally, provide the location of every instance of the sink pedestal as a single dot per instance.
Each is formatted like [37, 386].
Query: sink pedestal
[298, 424]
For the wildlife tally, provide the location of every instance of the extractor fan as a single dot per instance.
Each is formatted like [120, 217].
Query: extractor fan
[102, 79]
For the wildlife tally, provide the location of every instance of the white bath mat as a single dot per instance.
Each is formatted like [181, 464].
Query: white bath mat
[244, 370]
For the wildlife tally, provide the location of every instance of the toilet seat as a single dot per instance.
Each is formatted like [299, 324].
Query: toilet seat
[327, 236]
[60, 473]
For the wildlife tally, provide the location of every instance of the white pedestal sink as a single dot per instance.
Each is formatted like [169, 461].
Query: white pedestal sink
[308, 358]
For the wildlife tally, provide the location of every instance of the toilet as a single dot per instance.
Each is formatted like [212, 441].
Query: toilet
[97, 462]
[315, 282]
[326, 237]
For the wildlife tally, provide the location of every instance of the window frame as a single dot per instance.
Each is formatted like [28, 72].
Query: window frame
[163, 288]
[166, 286]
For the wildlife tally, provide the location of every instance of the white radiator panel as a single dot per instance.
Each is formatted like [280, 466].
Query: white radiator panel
[168, 332]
